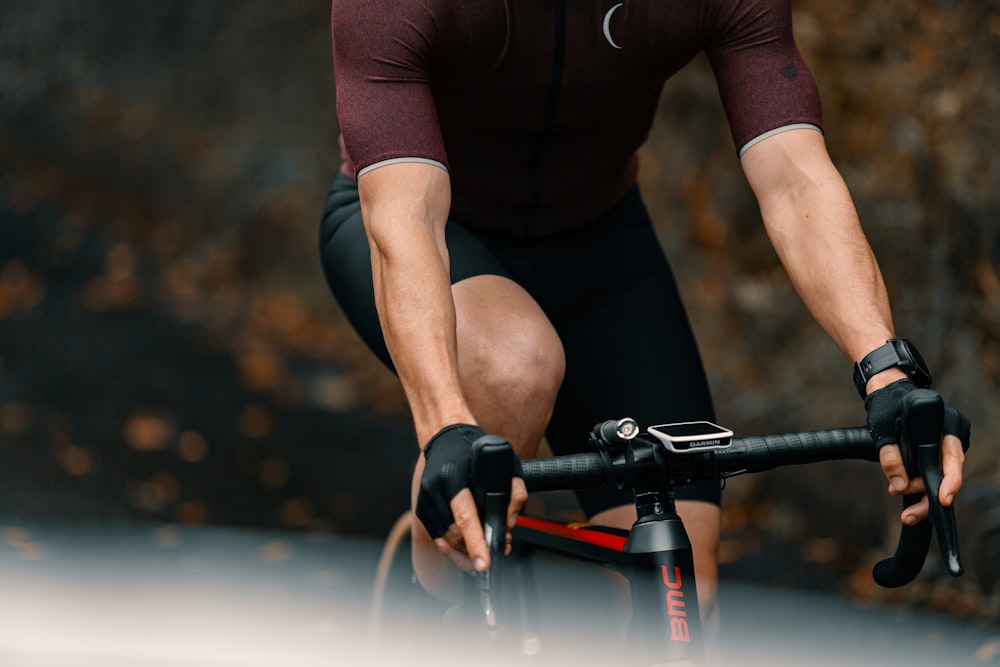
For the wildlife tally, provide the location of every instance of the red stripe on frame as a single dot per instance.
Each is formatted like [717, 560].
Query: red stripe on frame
[581, 534]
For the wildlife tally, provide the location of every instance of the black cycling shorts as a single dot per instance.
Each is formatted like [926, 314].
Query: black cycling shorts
[606, 288]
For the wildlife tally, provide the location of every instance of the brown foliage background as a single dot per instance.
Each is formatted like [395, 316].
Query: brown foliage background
[169, 351]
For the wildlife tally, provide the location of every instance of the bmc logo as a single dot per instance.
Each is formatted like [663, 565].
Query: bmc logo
[679, 631]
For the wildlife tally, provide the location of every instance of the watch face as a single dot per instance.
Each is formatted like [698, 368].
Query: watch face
[918, 367]
[912, 353]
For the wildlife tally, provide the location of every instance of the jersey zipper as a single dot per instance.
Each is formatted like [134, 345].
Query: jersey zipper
[548, 120]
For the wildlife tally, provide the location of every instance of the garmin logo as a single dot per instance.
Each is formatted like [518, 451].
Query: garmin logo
[706, 443]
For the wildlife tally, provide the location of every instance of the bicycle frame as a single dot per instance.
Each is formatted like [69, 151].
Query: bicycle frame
[656, 559]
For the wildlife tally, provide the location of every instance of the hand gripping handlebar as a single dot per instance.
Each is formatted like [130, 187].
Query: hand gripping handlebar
[920, 444]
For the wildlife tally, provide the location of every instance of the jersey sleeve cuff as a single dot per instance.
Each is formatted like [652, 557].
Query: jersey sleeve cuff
[778, 130]
[400, 160]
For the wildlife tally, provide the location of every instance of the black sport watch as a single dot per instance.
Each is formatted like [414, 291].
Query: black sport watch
[896, 352]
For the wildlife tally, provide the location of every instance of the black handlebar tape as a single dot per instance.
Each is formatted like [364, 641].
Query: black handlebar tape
[575, 471]
[760, 453]
[911, 552]
[751, 454]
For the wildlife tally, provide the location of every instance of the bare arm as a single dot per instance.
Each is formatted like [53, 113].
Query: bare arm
[405, 207]
[814, 228]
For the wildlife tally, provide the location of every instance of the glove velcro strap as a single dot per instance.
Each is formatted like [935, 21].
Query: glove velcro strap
[884, 408]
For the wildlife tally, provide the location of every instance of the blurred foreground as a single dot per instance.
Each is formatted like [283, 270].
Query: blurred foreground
[132, 595]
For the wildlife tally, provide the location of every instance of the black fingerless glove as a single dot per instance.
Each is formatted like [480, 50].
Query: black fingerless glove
[885, 411]
[447, 470]
[448, 463]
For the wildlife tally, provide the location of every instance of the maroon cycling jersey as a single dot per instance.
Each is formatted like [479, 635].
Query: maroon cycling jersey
[537, 107]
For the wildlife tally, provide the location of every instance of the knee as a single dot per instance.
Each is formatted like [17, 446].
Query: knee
[521, 364]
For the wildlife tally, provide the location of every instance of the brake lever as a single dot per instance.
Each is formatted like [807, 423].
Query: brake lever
[942, 518]
[492, 470]
[920, 445]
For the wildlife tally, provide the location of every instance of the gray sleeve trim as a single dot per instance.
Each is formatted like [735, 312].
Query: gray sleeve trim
[778, 130]
[400, 160]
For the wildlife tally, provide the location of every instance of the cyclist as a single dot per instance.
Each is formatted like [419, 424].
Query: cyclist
[487, 239]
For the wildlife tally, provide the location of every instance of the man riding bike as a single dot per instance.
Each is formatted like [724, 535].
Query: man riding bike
[487, 238]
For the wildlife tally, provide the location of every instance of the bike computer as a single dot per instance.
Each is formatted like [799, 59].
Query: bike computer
[699, 436]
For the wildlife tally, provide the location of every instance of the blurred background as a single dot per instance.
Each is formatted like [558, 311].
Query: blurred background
[170, 354]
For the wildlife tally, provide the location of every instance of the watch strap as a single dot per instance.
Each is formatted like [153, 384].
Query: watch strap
[896, 352]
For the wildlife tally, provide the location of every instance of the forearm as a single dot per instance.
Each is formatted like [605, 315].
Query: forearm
[814, 228]
[418, 323]
[832, 267]
[414, 300]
